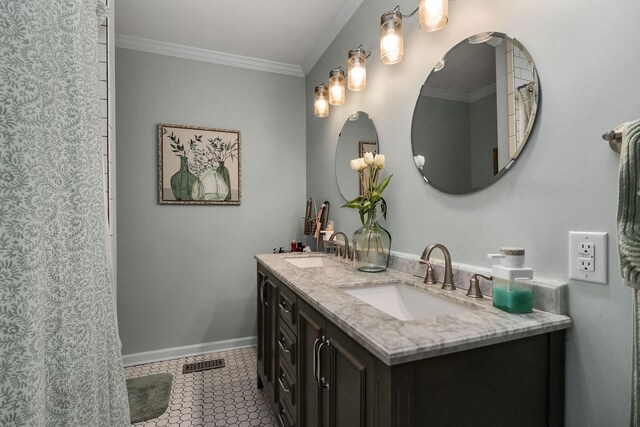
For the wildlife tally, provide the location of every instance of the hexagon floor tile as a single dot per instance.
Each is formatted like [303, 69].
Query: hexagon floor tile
[226, 396]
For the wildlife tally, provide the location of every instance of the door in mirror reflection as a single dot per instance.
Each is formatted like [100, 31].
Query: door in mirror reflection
[474, 113]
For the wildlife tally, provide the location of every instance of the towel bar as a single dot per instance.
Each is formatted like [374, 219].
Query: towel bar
[614, 137]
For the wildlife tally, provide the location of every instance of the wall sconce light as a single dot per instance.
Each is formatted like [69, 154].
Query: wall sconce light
[336, 87]
[357, 69]
[434, 14]
[391, 41]
[321, 101]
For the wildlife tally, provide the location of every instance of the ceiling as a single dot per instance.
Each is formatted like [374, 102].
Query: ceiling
[291, 32]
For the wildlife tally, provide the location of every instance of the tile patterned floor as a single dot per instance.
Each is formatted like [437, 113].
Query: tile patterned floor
[218, 397]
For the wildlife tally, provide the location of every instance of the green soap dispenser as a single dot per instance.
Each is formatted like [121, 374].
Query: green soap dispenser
[512, 291]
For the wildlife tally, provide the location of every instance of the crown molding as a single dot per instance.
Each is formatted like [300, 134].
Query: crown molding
[205, 55]
[453, 95]
[336, 25]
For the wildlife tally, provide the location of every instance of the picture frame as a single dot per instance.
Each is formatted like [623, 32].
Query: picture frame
[366, 147]
[198, 165]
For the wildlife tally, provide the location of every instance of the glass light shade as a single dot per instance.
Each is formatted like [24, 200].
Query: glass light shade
[336, 87]
[433, 14]
[391, 41]
[321, 101]
[357, 70]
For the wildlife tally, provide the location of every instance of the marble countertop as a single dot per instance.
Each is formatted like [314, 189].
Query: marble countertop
[395, 341]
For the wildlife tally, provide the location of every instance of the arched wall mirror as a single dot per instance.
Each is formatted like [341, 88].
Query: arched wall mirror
[358, 135]
[474, 113]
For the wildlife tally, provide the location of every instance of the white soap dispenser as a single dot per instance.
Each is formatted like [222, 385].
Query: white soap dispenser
[512, 290]
[511, 264]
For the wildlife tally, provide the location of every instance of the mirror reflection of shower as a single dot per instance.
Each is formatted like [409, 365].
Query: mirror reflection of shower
[521, 75]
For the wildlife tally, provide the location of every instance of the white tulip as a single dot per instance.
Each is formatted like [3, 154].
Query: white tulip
[368, 158]
[358, 164]
[419, 160]
[378, 161]
[362, 163]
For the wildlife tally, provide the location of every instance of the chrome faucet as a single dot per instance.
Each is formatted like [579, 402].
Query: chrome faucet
[447, 283]
[346, 244]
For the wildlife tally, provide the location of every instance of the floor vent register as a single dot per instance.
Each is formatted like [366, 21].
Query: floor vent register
[188, 368]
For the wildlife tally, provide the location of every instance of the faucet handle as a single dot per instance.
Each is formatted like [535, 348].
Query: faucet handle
[474, 287]
[430, 277]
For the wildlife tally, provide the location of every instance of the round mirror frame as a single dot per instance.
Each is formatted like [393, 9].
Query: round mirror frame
[358, 135]
[439, 146]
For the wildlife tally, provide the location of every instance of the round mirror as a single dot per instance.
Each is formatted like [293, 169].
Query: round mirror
[474, 113]
[358, 136]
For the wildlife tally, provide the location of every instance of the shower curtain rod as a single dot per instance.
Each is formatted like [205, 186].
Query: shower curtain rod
[522, 86]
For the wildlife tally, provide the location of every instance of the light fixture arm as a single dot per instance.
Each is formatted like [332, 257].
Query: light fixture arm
[397, 9]
[364, 52]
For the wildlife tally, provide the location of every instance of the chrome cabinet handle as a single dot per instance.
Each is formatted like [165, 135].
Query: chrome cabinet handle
[322, 382]
[282, 345]
[315, 358]
[283, 308]
[286, 390]
[285, 418]
[263, 286]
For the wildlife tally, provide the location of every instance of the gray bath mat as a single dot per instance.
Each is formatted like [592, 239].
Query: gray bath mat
[148, 396]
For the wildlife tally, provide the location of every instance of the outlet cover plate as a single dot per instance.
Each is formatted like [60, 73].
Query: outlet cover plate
[598, 245]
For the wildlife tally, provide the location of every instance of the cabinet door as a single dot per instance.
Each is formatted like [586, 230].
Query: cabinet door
[267, 324]
[263, 323]
[351, 381]
[311, 327]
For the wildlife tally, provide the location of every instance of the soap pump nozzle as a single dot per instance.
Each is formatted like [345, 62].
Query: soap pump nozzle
[509, 257]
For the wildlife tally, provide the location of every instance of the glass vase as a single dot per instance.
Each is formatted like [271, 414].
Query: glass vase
[182, 182]
[210, 186]
[224, 173]
[371, 245]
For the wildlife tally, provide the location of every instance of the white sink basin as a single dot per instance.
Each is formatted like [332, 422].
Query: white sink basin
[406, 302]
[313, 261]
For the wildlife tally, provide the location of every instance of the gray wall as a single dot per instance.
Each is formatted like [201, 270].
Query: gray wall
[186, 274]
[541, 198]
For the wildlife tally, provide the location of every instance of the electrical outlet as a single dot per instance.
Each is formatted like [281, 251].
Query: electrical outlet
[586, 264]
[588, 256]
[586, 248]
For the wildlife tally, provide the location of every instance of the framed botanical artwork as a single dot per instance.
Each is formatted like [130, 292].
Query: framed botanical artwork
[198, 165]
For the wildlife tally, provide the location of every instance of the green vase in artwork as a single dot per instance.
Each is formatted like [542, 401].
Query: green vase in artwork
[182, 181]
[224, 173]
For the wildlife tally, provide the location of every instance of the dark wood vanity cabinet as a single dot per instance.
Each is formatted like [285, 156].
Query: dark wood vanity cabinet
[317, 376]
[336, 375]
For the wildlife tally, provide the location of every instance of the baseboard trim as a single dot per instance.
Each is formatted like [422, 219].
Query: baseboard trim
[187, 350]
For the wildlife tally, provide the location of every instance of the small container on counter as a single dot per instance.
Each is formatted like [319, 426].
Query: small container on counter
[513, 296]
[512, 289]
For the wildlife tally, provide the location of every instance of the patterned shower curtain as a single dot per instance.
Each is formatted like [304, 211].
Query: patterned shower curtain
[60, 362]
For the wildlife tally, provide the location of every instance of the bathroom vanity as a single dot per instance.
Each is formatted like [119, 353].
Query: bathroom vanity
[328, 358]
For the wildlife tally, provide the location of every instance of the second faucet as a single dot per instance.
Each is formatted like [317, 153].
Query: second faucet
[447, 283]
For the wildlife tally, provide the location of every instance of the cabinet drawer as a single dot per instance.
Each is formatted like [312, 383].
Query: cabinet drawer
[287, 387]
[287, 306]
[286, 343]
[286, 417]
